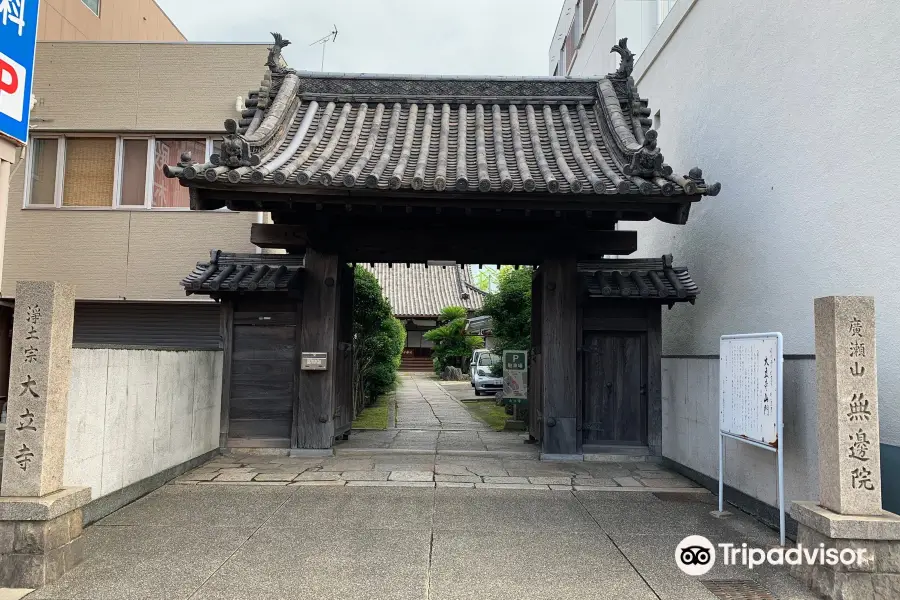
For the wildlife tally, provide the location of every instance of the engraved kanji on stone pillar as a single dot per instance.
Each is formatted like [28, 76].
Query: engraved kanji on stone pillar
[39, 373]
[847, 390]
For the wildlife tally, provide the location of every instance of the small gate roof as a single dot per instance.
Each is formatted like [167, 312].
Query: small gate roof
[227, 272]
[640, 279]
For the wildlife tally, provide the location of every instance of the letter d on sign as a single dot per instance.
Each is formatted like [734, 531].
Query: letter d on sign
[12, 88]
[9, 79]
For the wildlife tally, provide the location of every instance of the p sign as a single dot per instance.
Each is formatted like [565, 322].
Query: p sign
[18, 33]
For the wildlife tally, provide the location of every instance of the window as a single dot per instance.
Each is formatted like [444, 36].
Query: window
[134, 173]
[108, 172]
[488, 360]
[89, 172]
[169, 193]
[94, 5]
[587, 6]
[44, 154]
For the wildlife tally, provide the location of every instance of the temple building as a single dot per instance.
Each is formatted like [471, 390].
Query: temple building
[417, 294]
[412, 169]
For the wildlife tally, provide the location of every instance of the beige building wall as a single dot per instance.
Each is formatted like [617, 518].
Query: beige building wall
[85, 87]
[119, 20]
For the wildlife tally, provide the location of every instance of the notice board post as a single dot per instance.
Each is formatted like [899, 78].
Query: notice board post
[751, 402]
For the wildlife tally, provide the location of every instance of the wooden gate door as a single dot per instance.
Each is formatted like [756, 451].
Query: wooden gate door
[263, 361]
[614, 393]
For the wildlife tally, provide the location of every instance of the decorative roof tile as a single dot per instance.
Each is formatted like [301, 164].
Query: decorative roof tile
[445, 134]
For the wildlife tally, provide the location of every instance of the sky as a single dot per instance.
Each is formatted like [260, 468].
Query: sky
[436, 37]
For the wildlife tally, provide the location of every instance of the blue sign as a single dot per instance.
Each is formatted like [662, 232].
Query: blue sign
[18, 35]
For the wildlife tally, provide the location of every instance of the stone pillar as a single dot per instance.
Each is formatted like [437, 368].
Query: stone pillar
[848, 514]
[559, 316]
[847, 396]
[40, 521]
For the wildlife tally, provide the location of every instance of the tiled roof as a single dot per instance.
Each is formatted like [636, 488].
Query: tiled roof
[227, 272]
[639, 279]
[445, 134]
[423, 291]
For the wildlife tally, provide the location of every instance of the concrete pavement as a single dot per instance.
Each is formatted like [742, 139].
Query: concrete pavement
[257, 542]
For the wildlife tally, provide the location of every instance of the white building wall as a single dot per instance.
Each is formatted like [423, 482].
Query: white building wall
[609, 21]
[135, 413]
[792, 110]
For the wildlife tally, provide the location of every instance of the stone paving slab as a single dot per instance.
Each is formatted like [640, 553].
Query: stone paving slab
[332, 539]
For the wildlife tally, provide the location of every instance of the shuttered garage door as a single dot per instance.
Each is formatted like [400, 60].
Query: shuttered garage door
[147, 325]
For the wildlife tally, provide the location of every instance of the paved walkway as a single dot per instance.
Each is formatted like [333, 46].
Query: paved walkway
[373, 468]
[422, 403]
[431, 417]
[258, 542]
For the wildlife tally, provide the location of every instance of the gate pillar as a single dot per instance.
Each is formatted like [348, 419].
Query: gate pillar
[559, 341]
[320, 330]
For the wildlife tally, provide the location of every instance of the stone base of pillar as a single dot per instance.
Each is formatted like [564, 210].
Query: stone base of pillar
[41, 538]
[877, 576]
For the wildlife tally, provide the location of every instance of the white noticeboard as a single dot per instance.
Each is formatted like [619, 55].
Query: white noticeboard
[751, 399]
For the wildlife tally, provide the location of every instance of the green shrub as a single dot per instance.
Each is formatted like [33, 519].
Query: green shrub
[378, 339]
[452, 346]
[510, 309]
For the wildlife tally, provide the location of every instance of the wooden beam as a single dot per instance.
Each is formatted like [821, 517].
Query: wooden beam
[226, 327]
[654, 379]
[559, 338]
[267, 235]
[366, 241]
[315, 422]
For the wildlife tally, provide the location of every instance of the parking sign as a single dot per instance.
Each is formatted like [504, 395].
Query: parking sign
[18, 34]
[515, 376]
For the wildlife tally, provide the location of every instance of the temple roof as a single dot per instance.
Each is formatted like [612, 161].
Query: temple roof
[640, 279]
[309, 131]
[424, 291]
[227, 272]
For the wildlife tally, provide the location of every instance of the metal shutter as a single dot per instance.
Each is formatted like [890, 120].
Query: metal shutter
[147, 325]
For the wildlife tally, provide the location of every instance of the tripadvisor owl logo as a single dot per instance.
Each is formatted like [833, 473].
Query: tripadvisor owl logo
[695, 555]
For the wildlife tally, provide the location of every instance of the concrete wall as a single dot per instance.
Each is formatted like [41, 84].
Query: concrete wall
[780, 103]
[132, 20]
[153, 88]
[134, 413]
[690, 428]
[116, 254]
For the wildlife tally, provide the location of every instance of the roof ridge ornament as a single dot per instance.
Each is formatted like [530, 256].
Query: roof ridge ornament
[648, 161]
[696, 176]
[275, 61]
[235, 151]
[626, 64]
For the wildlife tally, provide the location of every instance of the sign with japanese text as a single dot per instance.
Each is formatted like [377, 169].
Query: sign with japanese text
[515, 376]
[314, 361]
[748, 385]
[18, 35]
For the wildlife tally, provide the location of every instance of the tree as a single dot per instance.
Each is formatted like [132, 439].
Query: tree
[510, 311]
[378, 339]
[452, 346]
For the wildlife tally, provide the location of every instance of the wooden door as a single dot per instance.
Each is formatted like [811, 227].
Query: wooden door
[614, 392]
[262, 389]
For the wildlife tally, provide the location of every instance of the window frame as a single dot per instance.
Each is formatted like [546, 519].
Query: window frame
[97, 13]
[118, 170]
